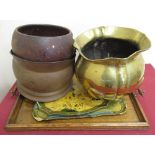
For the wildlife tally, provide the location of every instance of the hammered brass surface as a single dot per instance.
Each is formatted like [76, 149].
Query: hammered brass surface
[111, 76]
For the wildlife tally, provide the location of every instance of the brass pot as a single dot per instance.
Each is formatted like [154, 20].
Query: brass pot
[111, 76]
[43, 81]
[42, 42]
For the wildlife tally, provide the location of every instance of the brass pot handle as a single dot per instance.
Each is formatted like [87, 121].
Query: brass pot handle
[139, 92]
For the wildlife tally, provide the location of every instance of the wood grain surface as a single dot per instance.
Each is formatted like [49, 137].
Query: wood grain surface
[21, 119]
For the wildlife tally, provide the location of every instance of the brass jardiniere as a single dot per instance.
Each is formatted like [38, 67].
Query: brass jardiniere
[111, 76]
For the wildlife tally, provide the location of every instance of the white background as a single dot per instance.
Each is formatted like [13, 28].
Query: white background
[79, 16]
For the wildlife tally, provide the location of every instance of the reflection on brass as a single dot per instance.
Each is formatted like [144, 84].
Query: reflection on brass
[111, 76]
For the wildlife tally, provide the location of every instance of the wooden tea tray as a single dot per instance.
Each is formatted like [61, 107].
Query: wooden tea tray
[21, 119]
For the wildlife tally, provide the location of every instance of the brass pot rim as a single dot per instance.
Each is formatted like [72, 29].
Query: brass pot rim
[101, 28]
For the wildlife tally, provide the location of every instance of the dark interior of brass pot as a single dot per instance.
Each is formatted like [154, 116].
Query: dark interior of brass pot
[101, 48]
[43, 30]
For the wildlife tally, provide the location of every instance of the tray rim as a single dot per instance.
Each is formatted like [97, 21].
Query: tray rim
[79, 126]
